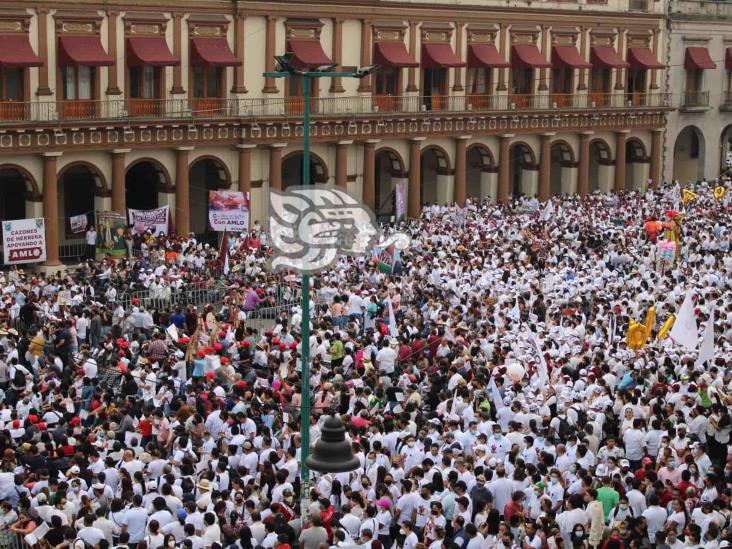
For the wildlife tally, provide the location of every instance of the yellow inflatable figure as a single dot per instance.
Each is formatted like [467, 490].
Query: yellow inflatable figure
[666, 328]
[687, 196]
[719, 192]
[639, 333]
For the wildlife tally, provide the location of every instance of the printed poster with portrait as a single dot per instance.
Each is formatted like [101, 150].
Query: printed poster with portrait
[228, 211]
[111, 234]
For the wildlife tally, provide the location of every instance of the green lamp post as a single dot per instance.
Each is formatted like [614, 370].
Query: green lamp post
[286, 69]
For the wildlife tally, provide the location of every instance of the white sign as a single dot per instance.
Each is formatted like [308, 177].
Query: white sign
[228, 211]
[155, 220]
[24, 241]
[78, 223]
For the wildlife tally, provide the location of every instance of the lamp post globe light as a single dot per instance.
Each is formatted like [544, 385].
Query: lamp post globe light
[332, 442]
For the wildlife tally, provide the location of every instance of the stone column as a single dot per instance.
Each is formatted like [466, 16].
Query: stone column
[182, 202]
[583, 177]
[414, 207]
[656, 149]
[461, 148]
[178, 52]
[50, 206]
[269, 52]
[239, 34]
[368, 192]
[620, 137]
[545, 164]
[654, 49]
[275, 165]
[336, 85]
[118, 181]
[245, 167]
[43, 87]
[412, 81]
[341, 175]
[620, 73]
[503, 72]
[504, 165]
[544, 72]
[364, 84]
[458, 85]
[113, 81]
[583, 73]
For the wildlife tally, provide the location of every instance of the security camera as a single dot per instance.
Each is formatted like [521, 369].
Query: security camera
[327, 68]
[362, 72]
[283, 63]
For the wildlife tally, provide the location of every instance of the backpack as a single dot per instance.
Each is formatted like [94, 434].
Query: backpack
[581, 416]
[86, 545]
[565, 429]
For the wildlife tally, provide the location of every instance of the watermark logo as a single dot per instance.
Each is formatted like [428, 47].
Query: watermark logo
[312, 227]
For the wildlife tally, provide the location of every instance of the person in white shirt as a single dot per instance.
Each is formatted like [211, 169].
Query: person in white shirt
[386, 358]
[634, 440]
[655, 517]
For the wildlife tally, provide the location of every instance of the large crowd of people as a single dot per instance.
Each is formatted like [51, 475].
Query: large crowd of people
[487, 383]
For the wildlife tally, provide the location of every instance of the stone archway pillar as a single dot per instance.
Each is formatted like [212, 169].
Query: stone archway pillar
[182, 190]
[119, 185]
[50, 207]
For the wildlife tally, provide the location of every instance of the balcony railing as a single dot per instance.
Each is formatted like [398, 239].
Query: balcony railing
[172, 109]
[695, 99]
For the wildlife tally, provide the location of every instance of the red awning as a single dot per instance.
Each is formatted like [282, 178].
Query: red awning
[728, 58]
[213, 51]
[485, 55]
[393, 54]
[698, 58]
[308, 53]
[151, 51]
[439, 55]
[16, 52]
[83, 50]
[568, 56]
[643, 58]
[607, 57]
[528, 55]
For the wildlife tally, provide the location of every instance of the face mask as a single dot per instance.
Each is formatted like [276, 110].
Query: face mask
[497, 436]
[573, 468]
[624, 506]
[540, 440]
[410, 444]
[692, 469]
[579, 534]
[553, 480]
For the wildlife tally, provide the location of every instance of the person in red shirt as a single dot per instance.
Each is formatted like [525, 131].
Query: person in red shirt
[685, 484]
[515, 506]
[145, 427]
[326, 513]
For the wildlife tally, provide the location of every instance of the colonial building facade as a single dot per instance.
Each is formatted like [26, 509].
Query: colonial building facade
[700, 68]
[114, 105]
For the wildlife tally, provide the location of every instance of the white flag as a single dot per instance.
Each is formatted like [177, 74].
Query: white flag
[515, 312]
[547, 212]
[542, 368]
[495, 394]
[706, 352]
[226, 264]
[173, 333]
[685, 331]
[393, 332]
